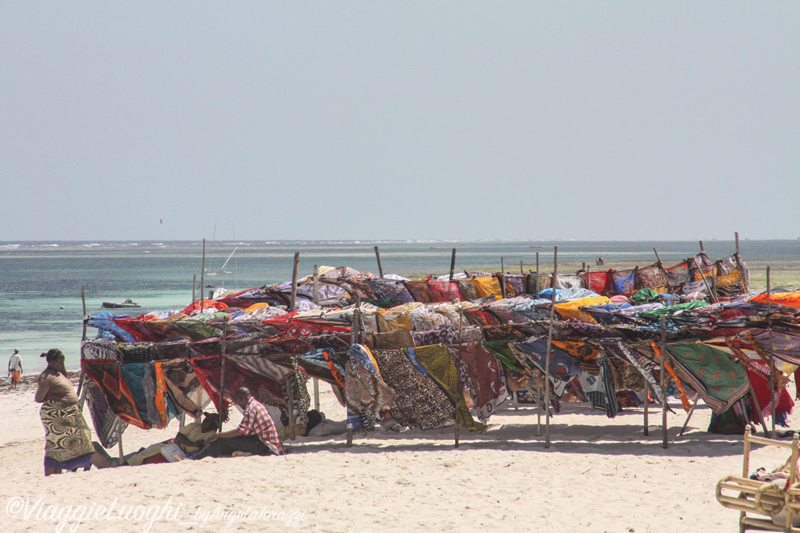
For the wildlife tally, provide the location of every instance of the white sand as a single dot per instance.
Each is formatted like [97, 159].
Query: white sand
[600, 474]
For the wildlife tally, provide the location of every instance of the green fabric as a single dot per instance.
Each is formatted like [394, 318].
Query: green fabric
[656, 313]
[711, 372]
[436, 361]
[197, 330]
[504, 354]
[644, 296]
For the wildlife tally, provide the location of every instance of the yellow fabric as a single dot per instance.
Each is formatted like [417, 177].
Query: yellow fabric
[393, 321]
[572, 310]
[728, 279]
[787, 299]
[255, 307]
[488, 286]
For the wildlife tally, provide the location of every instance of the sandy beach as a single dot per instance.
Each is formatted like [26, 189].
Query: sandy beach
[599, 474]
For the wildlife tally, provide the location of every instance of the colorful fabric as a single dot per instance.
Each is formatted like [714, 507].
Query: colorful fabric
[108, 377]
[418, 290]
[710, 371]
[107, 425]
[759, 383]
[67, 437]
[256, 421]
[437, 362]
[481, 371]
[419, 402]
[785, 346]
[209, 371]
[366, 394]
[786, 299]
[444, 291]
[563, 368]
[183, 386]
[488, 286]
[622, 282]
[572, 309]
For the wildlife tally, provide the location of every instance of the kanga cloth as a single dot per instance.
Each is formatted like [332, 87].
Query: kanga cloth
[563, 368]
[107, 425]
[711, 372]
[437, 362]
[759, 382]
[480, 369]
[444, 291]
[183, 386]
[786, 299]
[365, 392]
[68, 438]
[785, 346]
[108, 377]
[572, 309]
[418, 402]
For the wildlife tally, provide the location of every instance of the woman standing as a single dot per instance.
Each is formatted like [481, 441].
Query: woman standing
[68, 444]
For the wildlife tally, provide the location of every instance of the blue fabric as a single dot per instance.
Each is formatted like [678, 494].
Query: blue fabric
[413, 357]
[133, 374]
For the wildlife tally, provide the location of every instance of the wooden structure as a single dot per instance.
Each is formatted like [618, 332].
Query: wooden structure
[776, 506]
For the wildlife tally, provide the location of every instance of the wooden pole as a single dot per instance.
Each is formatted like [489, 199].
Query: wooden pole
[662, 379]
[549, 344]
[290, 393]
[315, 276]
[701, 247]
[537, 274]
[316, 394]
[202, 278]
[378, 257]
[459, 391]
[83, 339]
[737, 242]
[657, 258]
[771, 354]
[689, 416]
[222, 372]
[521, 269]
[294, 280]
[502, 278]
[705, 281]
[194, 288]
[452, 264]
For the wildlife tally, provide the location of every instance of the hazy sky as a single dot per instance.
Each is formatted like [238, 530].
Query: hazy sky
[399, 120]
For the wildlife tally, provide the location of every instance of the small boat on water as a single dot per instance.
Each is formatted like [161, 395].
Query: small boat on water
[117, 305]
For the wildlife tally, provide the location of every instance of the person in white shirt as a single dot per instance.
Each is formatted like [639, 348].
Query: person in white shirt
[15, 368]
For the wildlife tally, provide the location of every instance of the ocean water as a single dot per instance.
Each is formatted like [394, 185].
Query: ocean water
[41, 282]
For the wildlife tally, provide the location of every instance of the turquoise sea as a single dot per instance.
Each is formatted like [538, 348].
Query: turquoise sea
[41, 282]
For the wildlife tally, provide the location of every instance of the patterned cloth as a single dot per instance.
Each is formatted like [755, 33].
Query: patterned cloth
[418, 402]
[256, 421]
[108, 377]
[366, 394]
[107, 425]
[68, 441]
[481, 370]
[719, 380]
[440, 367]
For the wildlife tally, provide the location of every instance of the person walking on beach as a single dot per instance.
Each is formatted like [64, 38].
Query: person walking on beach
[255, 435]
[15, 368]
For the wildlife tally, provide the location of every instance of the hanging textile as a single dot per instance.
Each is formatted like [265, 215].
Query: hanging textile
[710, 371]
[107, 425]
[563, 368]
[366, 394]
[419, 402]
[184, 387]
[107, 375]
[481, 370]
[437, 362]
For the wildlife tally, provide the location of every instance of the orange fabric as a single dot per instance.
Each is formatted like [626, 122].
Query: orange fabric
[684, 399]
[207, 304]
[787, 299]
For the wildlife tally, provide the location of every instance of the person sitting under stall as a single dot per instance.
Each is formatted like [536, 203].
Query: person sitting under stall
[186, 443]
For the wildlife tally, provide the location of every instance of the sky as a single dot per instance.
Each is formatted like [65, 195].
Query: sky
[399, 120]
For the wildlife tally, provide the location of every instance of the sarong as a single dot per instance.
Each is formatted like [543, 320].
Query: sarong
[68, 441]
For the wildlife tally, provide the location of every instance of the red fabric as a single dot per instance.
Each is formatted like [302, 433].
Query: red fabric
[207, 304]
[760, 385]
[599, 282]
[444, 291]
[157, 458]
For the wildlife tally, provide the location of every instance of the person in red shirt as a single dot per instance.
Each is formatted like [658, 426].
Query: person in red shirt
[256, 433]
